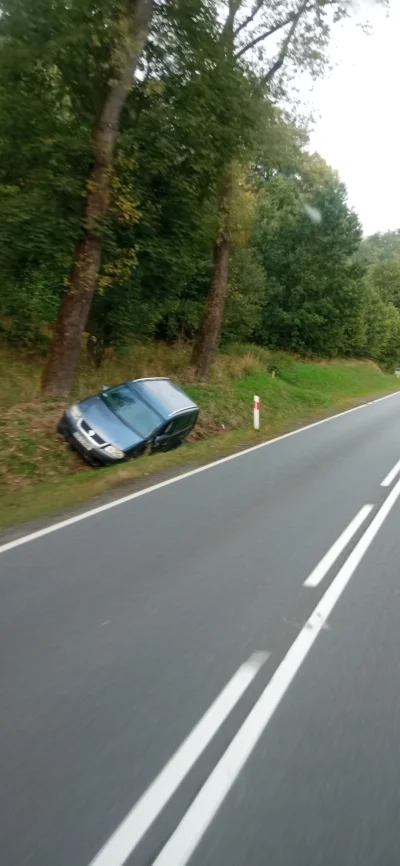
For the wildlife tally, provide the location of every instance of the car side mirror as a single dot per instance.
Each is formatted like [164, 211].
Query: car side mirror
[105, 387]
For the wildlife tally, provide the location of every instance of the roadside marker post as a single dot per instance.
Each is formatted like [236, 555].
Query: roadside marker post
[256, 412]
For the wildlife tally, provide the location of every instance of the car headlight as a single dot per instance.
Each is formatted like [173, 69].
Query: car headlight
[113, 451]
[75, 412]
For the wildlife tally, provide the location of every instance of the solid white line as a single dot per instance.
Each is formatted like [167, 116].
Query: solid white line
[331, 556]
[197, 819]
[129, 833]
[93, 511]
[391, 475]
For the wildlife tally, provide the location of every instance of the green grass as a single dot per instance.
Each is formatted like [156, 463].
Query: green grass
[39, 476]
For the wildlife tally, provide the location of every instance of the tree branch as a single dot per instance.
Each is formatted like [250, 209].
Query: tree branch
[233, 8]
[290, 18]
[285, 45]
[245, 23]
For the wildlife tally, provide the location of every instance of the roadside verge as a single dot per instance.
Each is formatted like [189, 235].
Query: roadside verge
[66, 499]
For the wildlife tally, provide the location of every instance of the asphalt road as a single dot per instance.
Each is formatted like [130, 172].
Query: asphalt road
[163, 662]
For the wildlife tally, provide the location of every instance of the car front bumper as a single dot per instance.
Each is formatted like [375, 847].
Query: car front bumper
[92, 453]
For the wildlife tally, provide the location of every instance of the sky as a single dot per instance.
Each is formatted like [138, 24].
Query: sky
[357, 123]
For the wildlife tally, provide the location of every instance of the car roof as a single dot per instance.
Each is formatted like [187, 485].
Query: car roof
[166, 397]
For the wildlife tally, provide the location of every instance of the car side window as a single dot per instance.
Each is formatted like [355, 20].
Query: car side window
[179, 425]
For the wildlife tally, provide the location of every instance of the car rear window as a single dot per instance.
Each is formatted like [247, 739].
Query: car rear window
[133, 411]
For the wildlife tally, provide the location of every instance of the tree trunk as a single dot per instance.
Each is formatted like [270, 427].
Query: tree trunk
[208, 337]
[78, 294]
[207, 340]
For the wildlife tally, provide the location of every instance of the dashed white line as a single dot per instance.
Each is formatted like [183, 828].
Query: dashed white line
[391, 475]
[331, 556]
[129, 833]
[197, 819]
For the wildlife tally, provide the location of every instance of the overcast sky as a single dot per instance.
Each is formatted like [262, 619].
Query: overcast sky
[358, 129]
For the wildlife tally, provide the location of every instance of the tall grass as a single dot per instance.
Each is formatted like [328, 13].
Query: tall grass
[290, 391]
[20, 374]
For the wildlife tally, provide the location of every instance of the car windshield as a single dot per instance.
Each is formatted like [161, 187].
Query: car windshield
[130, 409]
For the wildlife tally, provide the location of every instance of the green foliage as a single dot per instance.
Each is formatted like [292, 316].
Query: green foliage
[379, 247]
[379, 313]
[44, 154]
[201, 119]
[384, 277]
[305, 244]
[295, 281]
[381, 326]
[245, 296]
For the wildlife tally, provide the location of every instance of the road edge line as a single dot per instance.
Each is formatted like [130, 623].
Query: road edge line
[47, 530]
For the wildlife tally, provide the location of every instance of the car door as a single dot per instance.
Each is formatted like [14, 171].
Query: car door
[176, 431]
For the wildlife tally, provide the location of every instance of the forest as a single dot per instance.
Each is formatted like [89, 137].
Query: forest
[156, 181]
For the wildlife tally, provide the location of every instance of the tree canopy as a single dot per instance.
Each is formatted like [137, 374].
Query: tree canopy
[204, 104]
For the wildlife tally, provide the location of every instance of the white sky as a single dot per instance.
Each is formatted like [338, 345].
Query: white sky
[358, 128]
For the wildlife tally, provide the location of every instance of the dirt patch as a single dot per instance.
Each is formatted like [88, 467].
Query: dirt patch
[31, 449]
[206, 426]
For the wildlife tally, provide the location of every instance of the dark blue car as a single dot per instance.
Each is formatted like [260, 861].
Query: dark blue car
[122, 421]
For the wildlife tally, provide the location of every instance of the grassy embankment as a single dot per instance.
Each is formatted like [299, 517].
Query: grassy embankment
[39, 476]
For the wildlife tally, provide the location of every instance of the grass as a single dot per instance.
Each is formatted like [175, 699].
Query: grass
[38, 476]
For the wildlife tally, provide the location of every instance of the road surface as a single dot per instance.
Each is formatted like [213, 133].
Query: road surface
[209, 672]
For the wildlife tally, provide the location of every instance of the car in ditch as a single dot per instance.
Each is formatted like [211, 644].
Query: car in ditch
[125, 420]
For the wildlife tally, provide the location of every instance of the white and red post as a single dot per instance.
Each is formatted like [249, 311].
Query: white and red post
[256, 412]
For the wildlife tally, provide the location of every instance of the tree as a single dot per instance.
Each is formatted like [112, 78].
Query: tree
[175, 127]
[380, 312]
[128, 28]
[305, 239]
[196, 119]
[379, 247]
[44, 155]
[245, 296]
[247, 32]
[162, 218]
[381, 330]
[384, 276]
[389, 353]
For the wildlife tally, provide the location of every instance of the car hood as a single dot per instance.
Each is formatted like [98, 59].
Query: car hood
[108, 425]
